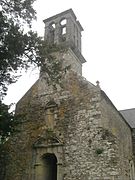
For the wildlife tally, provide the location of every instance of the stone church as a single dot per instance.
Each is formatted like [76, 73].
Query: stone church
[69, 129]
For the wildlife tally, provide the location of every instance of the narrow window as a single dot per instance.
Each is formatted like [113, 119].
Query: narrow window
[53, 25]
[63, 30]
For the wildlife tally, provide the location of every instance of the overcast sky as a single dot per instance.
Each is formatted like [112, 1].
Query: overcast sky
[108, 45]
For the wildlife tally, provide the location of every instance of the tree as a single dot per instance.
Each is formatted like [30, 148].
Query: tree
[17, 48]
[6, 122]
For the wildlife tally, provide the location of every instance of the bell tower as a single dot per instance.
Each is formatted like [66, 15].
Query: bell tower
[65, 29]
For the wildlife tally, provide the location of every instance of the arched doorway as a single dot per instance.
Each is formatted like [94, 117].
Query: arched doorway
[50, 166]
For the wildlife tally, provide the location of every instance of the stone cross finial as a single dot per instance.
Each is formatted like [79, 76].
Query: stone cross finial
[98, 83]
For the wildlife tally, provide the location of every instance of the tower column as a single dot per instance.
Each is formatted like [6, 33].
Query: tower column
[57, 33]
[66, 30]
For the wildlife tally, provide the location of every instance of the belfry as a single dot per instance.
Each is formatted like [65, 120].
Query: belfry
[65, 29]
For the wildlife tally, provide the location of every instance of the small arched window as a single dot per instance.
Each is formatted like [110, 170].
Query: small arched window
[63, 22]
[52, 25]
[63, 29]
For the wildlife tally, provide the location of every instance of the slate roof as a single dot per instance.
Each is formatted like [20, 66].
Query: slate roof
[129, 115]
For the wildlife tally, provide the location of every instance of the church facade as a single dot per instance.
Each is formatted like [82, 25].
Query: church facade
[69, 129]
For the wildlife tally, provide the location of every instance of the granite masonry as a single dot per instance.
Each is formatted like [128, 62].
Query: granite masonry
[69, 130]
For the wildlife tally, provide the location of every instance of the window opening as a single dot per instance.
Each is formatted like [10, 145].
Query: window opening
[63, 22]
[63, 30]
[53, 25]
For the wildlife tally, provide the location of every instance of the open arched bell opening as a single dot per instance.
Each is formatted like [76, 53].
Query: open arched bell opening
[50, 166]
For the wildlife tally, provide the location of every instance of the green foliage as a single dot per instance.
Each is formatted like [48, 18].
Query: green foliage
[18, 10]
[6, 122]
[17, 50]
[4, 160]
[50, 65]
[16, 47]
[20, 49]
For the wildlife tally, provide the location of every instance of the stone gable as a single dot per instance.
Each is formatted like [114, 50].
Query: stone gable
[69, 130]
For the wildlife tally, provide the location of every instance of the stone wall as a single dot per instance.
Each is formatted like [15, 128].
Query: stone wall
[117, 126]
[78, 124]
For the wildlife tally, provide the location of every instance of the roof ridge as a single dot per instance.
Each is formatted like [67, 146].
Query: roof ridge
[127, 109]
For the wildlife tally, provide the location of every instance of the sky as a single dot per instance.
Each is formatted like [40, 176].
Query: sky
[108, 45]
